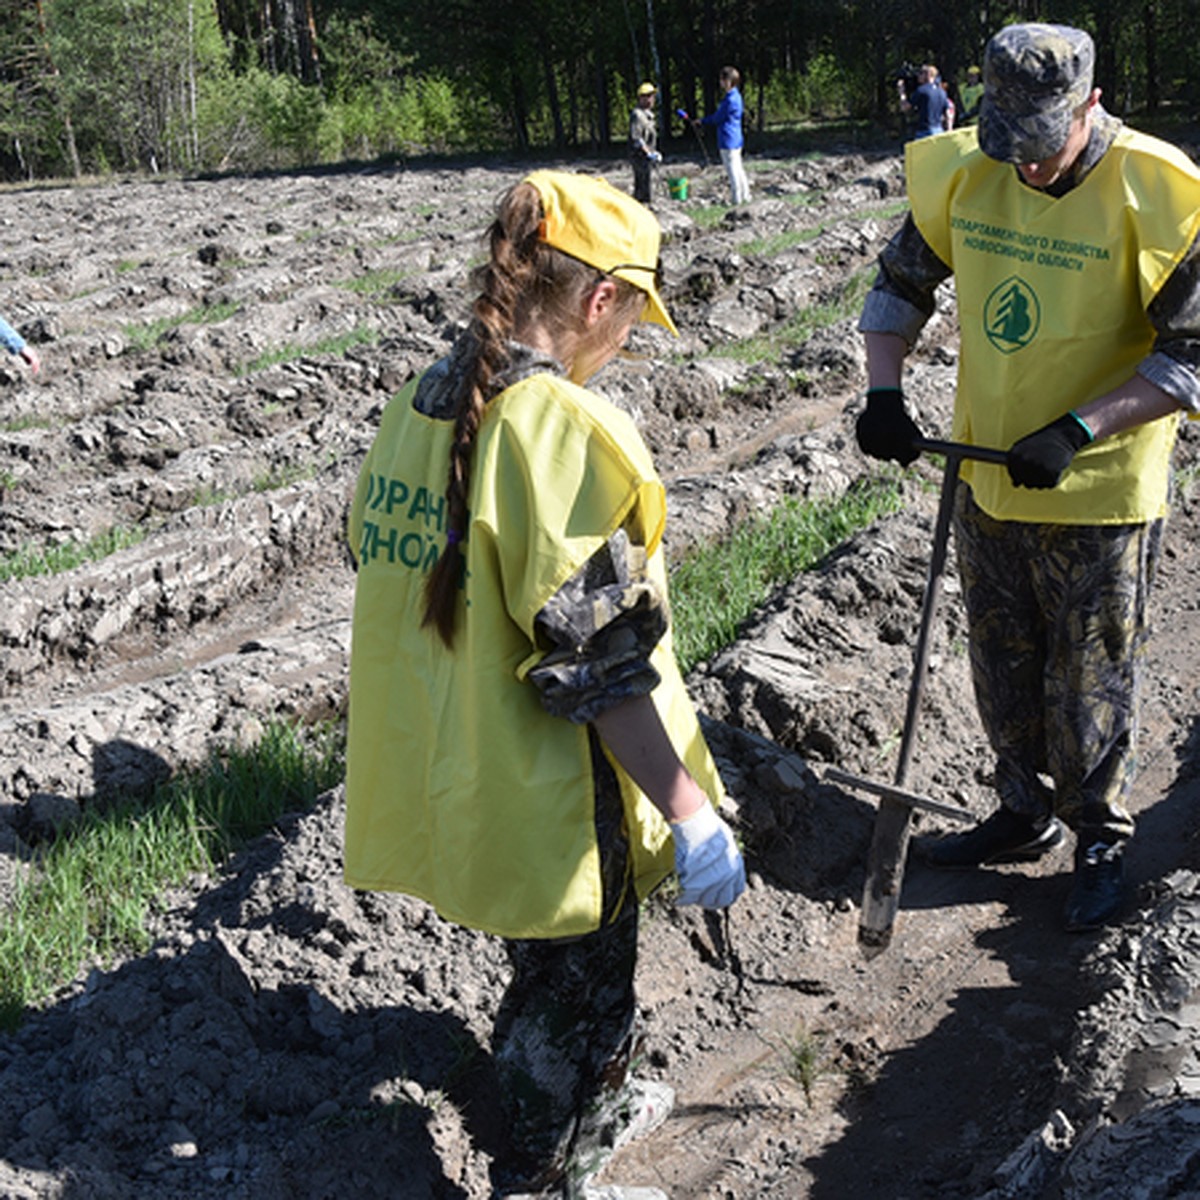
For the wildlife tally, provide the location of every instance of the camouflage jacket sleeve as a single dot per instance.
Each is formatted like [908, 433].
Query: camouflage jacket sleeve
[600, 627]
[1174, 362]
[902, 298]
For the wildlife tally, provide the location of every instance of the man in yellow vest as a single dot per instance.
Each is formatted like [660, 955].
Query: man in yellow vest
[1073, 243]
[971, 93]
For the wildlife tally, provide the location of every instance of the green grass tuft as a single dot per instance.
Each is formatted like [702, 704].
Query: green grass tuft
[335, 346]
[776, 243]
[30, 421]
[94, 889]
[142, 337]
[716, 587]
[376, 284]
[707, 216]
[802, 1058]
[30, 560]
[769, 246]
[770, 347]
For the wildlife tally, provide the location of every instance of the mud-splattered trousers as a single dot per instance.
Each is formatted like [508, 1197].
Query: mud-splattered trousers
[1057, 620]
[565, 1032]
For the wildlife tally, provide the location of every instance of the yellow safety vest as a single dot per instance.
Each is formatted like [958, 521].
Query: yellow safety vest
[1052, 297]
[970, 94]
[461, 788]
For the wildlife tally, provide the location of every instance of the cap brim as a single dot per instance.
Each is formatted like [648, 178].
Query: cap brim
[656, 313]
[1023, 138]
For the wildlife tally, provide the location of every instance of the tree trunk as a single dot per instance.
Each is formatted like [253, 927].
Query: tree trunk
[306, 31]
[709, 82]
[146, 133]
[656, 67]
[633, 42]
[602, 128]
[573, 107]
[291, 39]
[560, 136]
[193, 141]
[1150, 17]
[64, 111]
[520, 114]
[266, 34]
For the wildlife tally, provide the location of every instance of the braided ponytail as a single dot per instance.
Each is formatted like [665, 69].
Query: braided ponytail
[525, 284]
[514, 246]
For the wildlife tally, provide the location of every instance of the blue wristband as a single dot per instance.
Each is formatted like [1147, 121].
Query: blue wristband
[1091, 437]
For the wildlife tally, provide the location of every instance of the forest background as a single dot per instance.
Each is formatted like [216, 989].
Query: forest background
[93, 87]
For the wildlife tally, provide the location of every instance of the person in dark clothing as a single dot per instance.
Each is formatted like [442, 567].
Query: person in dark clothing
[929, 103]
[643, 143]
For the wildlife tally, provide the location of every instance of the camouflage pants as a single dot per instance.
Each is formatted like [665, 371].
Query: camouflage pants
[1058, 621]
[565, 1032]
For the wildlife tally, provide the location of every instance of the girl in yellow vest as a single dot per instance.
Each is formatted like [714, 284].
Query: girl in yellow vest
[1075, 250]
[522, 751]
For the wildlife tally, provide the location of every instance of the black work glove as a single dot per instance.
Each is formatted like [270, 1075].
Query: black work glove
[1039, 459]
[884, 429]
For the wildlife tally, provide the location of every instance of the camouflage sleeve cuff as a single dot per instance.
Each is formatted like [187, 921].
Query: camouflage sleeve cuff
[885, 312]
[601, 628]
[1176, 377]
[904, 297]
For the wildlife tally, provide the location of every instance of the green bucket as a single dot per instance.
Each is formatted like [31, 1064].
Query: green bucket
[677, 188]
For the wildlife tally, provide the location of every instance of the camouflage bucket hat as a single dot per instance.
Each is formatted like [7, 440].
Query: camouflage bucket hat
[1034, 78]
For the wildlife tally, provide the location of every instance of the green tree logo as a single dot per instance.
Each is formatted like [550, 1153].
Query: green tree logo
[1012, 315]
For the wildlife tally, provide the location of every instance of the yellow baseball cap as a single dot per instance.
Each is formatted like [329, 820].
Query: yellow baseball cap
[589, 219]
[647, 89]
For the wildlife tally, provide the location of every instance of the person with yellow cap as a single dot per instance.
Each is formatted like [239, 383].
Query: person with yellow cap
[1075, 248]
[643, 143]
[971, 93]
[522, 751]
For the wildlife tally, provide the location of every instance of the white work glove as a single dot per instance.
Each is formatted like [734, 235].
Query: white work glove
[655, 156]
[707, 860]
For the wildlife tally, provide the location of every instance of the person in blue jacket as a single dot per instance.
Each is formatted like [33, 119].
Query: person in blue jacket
[728, 120]
[14, 343]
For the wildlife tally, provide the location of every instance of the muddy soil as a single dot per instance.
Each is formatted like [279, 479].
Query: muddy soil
[216, 356]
